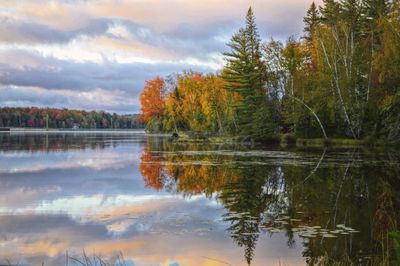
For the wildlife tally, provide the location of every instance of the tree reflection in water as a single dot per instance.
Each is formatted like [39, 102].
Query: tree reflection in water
[342, 204]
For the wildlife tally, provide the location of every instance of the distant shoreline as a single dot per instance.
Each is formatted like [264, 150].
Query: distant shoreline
[80, 131]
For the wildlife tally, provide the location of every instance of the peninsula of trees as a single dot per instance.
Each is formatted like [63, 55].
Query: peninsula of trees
[341, 79]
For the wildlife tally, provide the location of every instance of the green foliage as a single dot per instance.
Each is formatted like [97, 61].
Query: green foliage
[288, 139]
[262, 125]
[311, 21]
[396, 245]
[391, 120]
[155, 124]
[329, 12]
[64, 118]
[244, 75]
[341, 80]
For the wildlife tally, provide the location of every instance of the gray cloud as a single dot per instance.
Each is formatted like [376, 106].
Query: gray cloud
[17, 31]
[49, 51]
[97, 99]
[43, 81]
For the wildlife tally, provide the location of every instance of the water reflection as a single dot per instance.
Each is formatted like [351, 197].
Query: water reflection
[36, 142]
[342, 204]
[163, 203]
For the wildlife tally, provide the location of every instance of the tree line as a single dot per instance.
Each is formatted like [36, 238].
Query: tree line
[33, 117]
[340, 79]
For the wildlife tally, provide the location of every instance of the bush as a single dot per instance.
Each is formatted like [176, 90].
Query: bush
[288, 139]
[369, 140]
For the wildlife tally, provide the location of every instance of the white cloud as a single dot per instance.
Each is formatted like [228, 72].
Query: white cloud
[119, 31]
[44, 40]
[96, 98]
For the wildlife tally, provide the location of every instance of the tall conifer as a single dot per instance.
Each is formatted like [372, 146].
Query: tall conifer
[311, 21]
[329, 12]
[245, 74]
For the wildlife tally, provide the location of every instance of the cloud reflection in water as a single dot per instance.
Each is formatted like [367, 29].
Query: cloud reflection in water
[96, 199]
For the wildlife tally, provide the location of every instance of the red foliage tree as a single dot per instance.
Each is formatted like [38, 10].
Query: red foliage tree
[151, 170]
[152, 99]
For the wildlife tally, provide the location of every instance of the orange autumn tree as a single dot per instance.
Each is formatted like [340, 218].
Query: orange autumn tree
[189, 101]
[152, 100]
[151, 170]
[199, 103]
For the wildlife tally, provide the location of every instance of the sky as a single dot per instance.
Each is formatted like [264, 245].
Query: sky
[97, 54]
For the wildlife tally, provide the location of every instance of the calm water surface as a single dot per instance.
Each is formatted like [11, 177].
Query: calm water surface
[162, 203]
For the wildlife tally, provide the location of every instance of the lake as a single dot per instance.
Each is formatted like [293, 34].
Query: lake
[135, 199]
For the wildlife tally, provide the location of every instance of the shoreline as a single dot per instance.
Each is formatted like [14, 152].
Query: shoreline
[69, 131]
[285, 141]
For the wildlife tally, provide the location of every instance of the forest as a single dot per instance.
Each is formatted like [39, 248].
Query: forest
[64, 118]
[340, 79]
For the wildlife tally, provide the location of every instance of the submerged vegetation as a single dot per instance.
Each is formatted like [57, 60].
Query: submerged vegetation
[339, 80]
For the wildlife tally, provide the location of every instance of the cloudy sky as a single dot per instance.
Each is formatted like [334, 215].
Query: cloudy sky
[97, 54]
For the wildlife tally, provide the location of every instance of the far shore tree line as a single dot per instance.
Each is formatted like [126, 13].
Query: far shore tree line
[32, 117]
[340, 79]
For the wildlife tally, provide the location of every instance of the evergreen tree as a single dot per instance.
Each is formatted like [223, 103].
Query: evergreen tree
[329, 12]
[244, 74]
[350, 13]
[311, 21]
[373, 9]
[344, 73]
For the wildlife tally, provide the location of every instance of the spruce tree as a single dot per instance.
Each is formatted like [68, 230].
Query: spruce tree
[329, 12]
[350, 13]
[245, 74]
[373, 9]
[371, 13]
[311, 21]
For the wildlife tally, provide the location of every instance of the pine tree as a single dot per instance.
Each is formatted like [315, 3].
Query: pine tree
[245, 74]
[373, 9]
[329, 12]
[311, 21]
[371, 13]
[350, 13]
